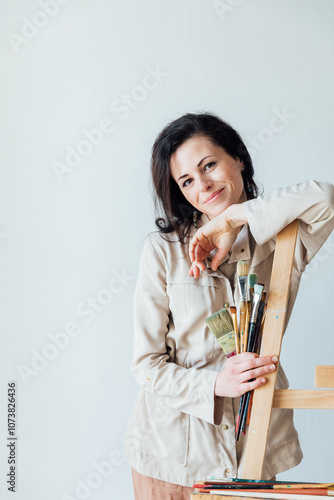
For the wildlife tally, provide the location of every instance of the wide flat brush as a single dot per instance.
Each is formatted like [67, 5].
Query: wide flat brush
[221, 325]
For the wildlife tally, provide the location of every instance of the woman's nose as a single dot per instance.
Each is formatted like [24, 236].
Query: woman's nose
[204, 184]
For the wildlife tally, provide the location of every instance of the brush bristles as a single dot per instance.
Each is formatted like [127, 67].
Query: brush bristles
[252, 280]
[220, 322]
[258, 289]
[242, 268]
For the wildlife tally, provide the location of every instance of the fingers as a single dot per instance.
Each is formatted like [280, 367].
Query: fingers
[244, 372]
[254, 368]
[254, 384]
[198, 254]
[257, 372]
[250, 365]
[195, 245]
[192, 245]
[194, 271]
[204, 242]
[196, 268]
[252, 360]
[199, 247]
[218, 259]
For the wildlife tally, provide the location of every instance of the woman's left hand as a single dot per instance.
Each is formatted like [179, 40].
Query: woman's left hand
[221, 232]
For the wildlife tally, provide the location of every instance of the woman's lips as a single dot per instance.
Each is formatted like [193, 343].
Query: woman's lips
[213, 196]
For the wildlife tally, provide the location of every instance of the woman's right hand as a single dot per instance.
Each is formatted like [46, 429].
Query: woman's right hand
[221, 232]
[236, 377]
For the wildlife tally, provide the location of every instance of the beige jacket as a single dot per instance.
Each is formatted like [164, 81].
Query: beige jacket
[178, 431]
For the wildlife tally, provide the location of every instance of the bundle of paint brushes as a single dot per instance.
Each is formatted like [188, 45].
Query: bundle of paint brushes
[263, 489]
[246, 337]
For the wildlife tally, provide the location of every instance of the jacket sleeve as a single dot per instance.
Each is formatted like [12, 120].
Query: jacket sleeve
[311, 202]
[189, 390]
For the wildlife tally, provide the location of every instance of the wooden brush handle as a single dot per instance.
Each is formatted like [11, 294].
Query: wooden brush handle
[248, 310]
[242, 324]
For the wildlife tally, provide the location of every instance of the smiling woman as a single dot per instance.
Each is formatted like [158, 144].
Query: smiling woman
[211, 184]
[182, 425]
[179, 150]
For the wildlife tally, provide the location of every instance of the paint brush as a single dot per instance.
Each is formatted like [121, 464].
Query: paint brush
[244, 414]
[266, 485]
[224, 480]
[249, 409]
[252, 280]
[260, 323]
[254, 348]
[248, 314]
[253, 324]
[221, 325]
[253, 328]
[235, 326]
[242, 273]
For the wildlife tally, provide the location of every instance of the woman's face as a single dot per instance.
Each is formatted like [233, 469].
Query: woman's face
[208, 177]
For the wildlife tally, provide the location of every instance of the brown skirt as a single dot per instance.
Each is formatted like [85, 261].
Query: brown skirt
[147, 488]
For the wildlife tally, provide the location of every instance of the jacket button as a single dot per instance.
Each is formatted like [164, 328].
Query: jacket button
[225, 427]
[227, 471]
[209, 259]
[226, 305]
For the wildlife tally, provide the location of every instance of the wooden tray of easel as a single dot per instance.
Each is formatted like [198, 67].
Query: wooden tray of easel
[266, 397]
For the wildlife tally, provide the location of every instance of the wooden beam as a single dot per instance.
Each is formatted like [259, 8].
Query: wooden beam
[299, 399]
[324, 376]
[271, 344]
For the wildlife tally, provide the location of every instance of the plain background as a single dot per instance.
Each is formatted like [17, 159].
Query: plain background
[69, 68]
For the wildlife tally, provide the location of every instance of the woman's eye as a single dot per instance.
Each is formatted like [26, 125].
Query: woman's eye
[186, 183]
[210, 165]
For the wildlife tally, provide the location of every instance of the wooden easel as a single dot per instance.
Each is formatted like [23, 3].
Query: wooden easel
[266, 397]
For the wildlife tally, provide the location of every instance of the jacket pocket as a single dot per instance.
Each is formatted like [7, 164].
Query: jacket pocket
[197, 300]
[158, 431]
[190, 340]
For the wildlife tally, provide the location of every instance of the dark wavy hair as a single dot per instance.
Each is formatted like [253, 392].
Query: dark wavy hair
[174, 212]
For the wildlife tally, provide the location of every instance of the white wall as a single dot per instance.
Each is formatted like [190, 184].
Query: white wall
[65, 234]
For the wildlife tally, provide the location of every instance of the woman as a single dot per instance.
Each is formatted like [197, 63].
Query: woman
[182, 428]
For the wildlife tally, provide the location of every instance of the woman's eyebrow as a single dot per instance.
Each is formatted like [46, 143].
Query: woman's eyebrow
[198, 165]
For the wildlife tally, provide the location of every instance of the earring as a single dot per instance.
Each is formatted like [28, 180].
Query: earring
[249, 189]
[195, 218]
